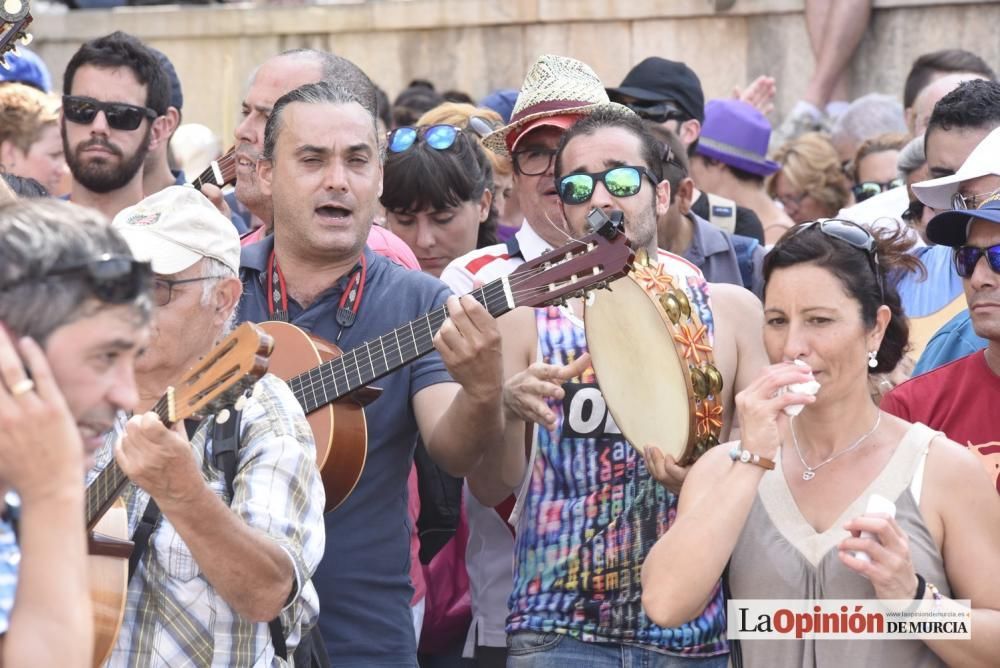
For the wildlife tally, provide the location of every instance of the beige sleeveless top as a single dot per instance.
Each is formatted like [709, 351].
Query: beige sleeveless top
[779, 555]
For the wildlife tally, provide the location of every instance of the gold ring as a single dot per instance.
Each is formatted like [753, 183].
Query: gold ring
[22, 387]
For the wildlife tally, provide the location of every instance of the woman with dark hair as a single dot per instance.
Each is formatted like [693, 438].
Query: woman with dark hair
[437, 193]
[789, 508]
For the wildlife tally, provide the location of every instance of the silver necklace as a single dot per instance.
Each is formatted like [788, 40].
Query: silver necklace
[810, 471]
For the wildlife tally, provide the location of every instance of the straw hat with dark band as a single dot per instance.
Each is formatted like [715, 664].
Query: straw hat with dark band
[555, 86]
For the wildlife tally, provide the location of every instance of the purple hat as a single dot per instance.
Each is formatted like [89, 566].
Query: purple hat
[736, 134]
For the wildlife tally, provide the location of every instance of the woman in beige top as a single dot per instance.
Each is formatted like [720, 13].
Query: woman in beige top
[791, 532]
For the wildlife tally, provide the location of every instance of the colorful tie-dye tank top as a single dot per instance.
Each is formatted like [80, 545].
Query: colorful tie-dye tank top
[588, 516]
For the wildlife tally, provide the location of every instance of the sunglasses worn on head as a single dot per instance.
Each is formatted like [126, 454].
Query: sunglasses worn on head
[967, 257]
[438, 137]
[867, 189]
[658, 112]
[620, 182]
[851, 234]
[969, 202]
[113, 279]
[120, 116]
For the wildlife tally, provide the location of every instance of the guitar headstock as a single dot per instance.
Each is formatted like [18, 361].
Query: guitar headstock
[15, 16]
[219, 173]
[222, 376]
[572, 270]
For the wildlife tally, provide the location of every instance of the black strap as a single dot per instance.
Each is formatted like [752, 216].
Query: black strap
[513, 248]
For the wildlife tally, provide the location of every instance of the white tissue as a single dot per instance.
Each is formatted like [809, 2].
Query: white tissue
[809, 387]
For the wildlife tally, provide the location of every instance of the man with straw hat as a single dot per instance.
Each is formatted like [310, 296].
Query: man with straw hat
[556, 93]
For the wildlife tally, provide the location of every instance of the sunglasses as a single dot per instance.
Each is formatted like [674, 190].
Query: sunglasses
[868, 189]
[620, 182]
[967, 257]
[120, 116]
[969, 202]
[658, 112]
[914, 212]
[438, 137]
[113, 279]
[483, 126]
[851, 234]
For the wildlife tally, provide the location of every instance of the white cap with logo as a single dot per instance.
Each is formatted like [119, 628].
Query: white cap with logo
[177, 227]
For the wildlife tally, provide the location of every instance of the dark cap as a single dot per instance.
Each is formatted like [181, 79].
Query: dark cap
[951, 228]
[657, 80]
[176, 96]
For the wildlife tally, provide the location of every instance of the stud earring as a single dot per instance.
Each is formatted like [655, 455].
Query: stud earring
[872, 359]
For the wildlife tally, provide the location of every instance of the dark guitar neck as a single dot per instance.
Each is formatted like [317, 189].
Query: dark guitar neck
[370, 361]
[109, 483]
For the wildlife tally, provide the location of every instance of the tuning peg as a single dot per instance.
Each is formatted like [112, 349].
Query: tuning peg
[3, 63]
[27, 38]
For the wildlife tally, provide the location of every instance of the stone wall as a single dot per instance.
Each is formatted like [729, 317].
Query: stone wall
[479, 45]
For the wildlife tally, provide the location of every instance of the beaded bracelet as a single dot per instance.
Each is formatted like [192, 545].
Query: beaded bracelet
[747, 457]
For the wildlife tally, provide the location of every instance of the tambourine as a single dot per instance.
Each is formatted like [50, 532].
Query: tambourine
[653, 360]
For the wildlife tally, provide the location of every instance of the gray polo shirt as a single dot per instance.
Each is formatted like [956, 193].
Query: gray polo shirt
[712, 250]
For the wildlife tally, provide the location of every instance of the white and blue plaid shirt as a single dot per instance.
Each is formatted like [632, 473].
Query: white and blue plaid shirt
[173, 616]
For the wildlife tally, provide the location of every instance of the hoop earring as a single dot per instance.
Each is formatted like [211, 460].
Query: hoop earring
[872, 359]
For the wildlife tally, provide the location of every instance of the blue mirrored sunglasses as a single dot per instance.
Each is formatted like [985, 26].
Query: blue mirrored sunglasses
[439, 137]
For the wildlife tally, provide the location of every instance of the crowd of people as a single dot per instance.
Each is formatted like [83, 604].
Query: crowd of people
[856, 247]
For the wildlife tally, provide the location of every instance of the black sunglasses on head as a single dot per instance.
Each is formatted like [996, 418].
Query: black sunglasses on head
[120, 116]
[113, 279]
[851, 234]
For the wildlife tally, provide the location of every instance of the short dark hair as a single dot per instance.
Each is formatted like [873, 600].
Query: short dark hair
[673, 157]
[423, 177]
[854, 268]
[612, 117]
[321, 92]
[945, 61]
[974, 104]
[417, 99]
[383, 106]
[37, 236]
[120, 49]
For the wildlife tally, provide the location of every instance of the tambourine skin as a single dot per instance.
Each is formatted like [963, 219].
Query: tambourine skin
[653, 360]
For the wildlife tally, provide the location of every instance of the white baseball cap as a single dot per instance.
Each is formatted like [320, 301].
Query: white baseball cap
[984, 160]
[176, 227]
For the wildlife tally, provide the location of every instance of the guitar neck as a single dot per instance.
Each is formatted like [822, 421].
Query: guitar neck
[370, 361]
[219, 173]
[111, 481]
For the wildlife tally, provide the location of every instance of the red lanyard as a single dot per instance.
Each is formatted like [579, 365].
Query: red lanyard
[350, 301]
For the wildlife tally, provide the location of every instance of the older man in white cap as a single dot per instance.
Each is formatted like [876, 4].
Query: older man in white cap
[221, 548]
[960, 398]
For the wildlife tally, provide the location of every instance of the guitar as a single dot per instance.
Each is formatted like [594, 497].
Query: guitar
[217, 381]
[15, 16]
[219, 173]
[332, 385]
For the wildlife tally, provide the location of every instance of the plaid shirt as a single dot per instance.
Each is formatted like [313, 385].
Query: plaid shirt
[173, 616]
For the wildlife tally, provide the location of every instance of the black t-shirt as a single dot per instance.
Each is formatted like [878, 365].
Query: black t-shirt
[747, 222]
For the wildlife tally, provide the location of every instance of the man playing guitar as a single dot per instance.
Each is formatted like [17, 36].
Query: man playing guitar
[224, 558]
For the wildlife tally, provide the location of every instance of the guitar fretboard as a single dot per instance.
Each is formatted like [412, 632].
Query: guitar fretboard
[376, 358]
[110, 482]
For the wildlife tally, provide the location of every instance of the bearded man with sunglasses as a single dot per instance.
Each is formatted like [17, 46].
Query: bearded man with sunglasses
[572, 603]
[74, 308]
[115, 95]
[960, 397]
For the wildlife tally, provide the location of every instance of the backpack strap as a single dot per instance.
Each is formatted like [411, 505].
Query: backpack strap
[722, 212]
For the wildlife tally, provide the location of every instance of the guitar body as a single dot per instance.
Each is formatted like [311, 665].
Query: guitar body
[339, 428]
[107, 568]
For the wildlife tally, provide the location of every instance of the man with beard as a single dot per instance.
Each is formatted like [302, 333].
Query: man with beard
[115, 95]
